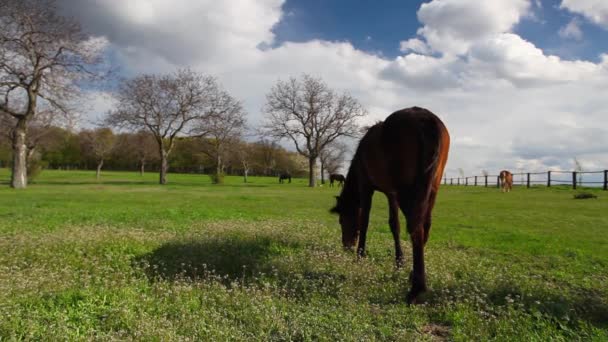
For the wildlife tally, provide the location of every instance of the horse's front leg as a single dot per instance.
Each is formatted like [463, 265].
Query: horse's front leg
[363, 223]
[393, 221]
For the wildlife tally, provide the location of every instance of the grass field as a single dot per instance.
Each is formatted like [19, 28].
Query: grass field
[128, 259]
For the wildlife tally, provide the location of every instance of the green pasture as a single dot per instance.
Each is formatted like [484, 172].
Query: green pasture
[127, 259]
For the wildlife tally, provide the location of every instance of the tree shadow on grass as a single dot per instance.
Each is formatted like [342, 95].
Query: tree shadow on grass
[561, 306]
[169, 185]
[248, 260]
[231, 258]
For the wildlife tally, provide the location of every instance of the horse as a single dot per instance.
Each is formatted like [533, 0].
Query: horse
[404, 158]
[284, 176]
[506, 181]
[336, 177]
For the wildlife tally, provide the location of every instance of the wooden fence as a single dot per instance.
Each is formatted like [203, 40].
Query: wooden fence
[573, 178]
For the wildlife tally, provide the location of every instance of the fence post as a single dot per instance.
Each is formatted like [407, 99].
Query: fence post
[486, 176]
[528, 180]
[466, 181]
[498, 182]
[574, 180]
[605, 179]
[458, 179]
[475, 180]
[451, 181]
[548, 179]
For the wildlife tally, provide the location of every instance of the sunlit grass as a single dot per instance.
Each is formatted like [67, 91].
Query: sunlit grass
[128, 259]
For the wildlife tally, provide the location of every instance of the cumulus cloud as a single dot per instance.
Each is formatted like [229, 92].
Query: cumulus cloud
[595, 11]
[496, 91]
[415, 45]
[572, 30]
[451, 26]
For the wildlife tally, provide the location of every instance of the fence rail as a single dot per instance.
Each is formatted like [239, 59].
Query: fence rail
[527, 179]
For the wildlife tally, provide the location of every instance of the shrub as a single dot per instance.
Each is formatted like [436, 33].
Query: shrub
[584, 195]
[35, 167]
[217, 178]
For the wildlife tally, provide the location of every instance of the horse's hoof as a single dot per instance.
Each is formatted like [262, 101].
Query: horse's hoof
[413, 297]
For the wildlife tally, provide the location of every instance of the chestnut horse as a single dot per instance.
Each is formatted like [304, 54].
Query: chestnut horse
[336, 177]
[506, 180]
[402, 157]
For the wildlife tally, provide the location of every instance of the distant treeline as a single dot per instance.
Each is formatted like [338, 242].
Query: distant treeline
[58, 148]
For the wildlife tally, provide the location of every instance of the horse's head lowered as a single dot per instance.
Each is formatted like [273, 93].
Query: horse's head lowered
[348, 213]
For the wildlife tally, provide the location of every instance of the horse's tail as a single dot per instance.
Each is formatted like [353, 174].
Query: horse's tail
[430, 138]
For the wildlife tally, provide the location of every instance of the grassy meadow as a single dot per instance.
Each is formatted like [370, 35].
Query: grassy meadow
[127, 259]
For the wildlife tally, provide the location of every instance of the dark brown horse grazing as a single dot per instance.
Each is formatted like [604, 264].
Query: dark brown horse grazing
[336, 177]
[404, 158]
[283, 177]
[506, 180]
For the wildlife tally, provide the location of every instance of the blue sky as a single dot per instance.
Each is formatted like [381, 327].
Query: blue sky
[379, 26]
[520, 84]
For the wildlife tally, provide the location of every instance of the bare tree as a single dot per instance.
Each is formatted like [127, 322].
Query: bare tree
[144, 149]
[165, 105]
[267, 155]
[223, 122]
[243, 152]
[311, 115]
[97, 144]
[42, 57]
[332, 158]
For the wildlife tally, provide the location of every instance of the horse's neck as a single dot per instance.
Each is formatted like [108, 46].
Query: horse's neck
[351, 189]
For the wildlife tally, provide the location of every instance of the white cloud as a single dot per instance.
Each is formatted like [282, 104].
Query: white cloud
[415, 45]
[510, 57]
[594, 10]
[572, 30]
[451, 26]
[499, 95]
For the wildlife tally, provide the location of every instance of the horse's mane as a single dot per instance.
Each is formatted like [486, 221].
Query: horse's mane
[350, 183]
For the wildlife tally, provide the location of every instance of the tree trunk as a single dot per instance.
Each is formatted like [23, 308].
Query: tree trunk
[142, 166]
[164, 167]
[19, 171]
[311, 171]
[322, 172]
[218, 169]
[99, 166]
[245, 172]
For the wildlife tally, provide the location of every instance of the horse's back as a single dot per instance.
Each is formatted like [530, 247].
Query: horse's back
[402, 150]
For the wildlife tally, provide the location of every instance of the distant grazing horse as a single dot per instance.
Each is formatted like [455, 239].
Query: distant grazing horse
[338, 178]
[284, 176]
[506, 180]
[404, 158]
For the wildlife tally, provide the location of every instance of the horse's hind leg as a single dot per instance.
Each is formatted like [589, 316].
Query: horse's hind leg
[418, 224]
[393, 221]
[418, 273]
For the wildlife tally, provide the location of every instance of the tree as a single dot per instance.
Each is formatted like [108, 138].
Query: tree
[97, 144]
[243, 152]
[165, 105]
[311, 115]
[43, 56]
[266, 153]
[222, 123]
[139, 146]
[332, 157]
